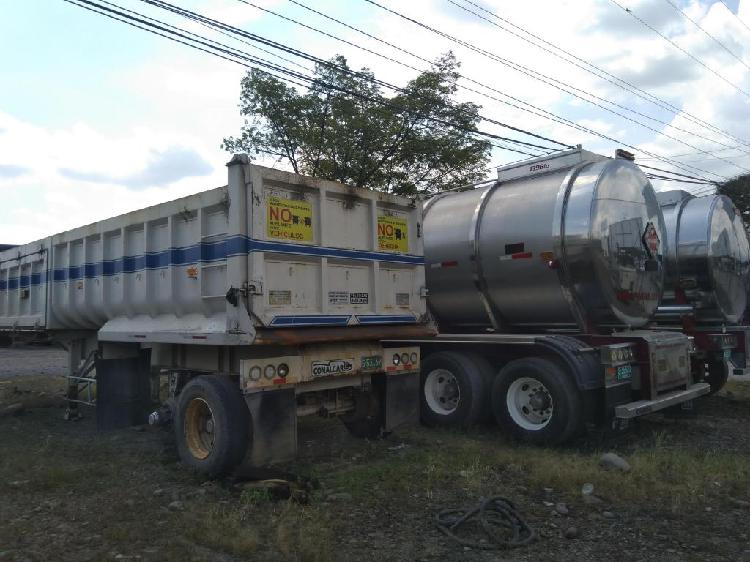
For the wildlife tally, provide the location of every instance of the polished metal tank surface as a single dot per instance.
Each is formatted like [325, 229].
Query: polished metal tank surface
[578, 246]
[707, 257]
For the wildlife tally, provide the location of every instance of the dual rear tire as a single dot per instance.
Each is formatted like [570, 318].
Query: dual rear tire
[533, 398]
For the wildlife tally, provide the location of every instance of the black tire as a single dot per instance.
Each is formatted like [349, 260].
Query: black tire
[218, 398]
[367, 420]
[6, 341]
[563, 414]
[470, 380]
[717, 374]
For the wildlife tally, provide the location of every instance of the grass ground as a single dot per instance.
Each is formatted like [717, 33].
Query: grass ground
[68, 492]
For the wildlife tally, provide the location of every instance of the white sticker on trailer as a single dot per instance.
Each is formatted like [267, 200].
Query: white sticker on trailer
[333, 367]
[338, 297]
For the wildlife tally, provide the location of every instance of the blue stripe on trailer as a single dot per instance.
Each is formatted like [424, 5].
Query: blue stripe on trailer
[386, 319]
[204, 252]
[311, 320]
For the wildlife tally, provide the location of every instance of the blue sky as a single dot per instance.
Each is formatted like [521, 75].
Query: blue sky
[98, 118]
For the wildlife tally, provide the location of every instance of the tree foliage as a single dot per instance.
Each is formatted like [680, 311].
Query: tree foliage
[344, 128]
[738, 190]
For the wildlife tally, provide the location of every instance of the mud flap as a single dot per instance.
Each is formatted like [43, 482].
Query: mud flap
[123, 391]
[401, 400]
[273, 417]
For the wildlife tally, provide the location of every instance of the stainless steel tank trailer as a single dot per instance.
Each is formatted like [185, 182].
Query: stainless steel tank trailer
[542, 283]
[707, 266]
[263, 300]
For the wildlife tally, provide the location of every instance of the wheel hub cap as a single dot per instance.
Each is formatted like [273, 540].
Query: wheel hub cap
[529, 403]
[442, 392]
[199, 428]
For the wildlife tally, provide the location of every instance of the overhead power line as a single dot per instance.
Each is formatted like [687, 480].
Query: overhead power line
[714, 39]
[538, 76]
[550, 48]
[735, 15]
[297, 52]
[673, 173]
[225, 52]
[558, 84]
[524, 105]
[600, 72]
[254, 37]
[676, 46]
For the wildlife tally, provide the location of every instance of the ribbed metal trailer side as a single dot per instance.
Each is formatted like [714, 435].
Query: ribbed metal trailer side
[265, 298]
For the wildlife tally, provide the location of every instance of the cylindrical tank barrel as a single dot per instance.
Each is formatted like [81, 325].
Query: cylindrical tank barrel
[578, 247]
[707, 257]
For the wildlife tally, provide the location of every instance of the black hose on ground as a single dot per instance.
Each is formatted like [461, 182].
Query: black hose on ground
[498, 518]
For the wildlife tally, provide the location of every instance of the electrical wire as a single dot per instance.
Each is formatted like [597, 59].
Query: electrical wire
[539, 112]
[227, 53]
[714, 39]
[534, 75]
[416, 56]
[235, 53]
[598, 71]
[554, 83]
[735, 15]
[675, 45]
[303, 54]
[599, 98]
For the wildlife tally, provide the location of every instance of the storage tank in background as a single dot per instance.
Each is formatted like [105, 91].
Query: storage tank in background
[707, 258]
[573, 241]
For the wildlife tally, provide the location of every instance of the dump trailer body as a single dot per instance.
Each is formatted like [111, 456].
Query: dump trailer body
[282, 284]
[290, 251]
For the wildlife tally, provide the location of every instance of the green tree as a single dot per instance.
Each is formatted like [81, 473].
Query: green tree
[738, 190]
[344, 128]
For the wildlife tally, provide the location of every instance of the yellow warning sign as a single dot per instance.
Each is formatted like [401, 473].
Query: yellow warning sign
[393, 234]
[289, 219]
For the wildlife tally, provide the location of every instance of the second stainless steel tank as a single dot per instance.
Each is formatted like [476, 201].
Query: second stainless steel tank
[570, 241]
[708, 257]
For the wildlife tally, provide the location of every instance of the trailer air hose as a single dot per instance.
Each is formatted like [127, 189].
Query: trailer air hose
[498, 518]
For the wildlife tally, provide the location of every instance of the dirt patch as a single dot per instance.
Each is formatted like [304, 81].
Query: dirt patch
[68, 492]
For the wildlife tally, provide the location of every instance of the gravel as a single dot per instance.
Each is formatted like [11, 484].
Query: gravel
[32, 360]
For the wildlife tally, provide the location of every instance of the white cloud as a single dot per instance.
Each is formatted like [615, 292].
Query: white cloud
[192, 98]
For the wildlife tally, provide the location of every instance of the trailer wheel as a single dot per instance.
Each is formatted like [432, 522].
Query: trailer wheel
[537, 401]
[717, 374]
[211, 425]
[454, 389]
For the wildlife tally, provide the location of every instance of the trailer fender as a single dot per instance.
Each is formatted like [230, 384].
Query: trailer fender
[581, 361]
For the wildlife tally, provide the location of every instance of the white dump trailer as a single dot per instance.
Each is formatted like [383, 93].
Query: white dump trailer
[263, 300]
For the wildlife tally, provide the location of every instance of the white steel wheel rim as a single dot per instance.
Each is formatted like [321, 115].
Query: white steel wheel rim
[441, 392]
[529, 403]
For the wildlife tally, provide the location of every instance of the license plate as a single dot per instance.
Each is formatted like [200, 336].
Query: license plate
[624, 372]
[372, 363]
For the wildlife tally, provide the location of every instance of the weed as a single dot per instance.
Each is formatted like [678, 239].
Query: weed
[223, 528]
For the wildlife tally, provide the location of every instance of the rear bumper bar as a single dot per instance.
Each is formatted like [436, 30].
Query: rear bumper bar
[643, 407]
